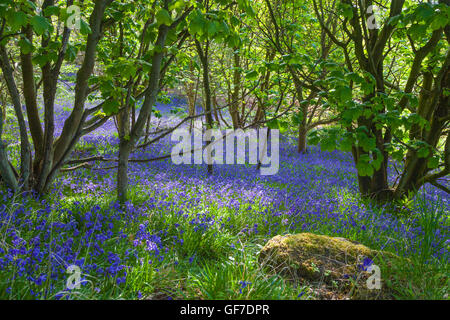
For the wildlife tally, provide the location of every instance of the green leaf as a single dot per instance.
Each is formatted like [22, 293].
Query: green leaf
[344, 93]
[423, 152]
[364, 167]
[26, 46]
[197, 23]
[314, 137]
[328, 142]
[424, 11]
[347, 142]
[234, 40]
[40, 24]
[273, 124]
[84, 27]
[366, 142]
[31, 5]
[252, 75]
[367, 87]
[110, 107]
[51, 11]
[378, 160]
[234, 21]
[346, 10]
[16, 20]
[417, 31]
[71, 53]
[439, 21]
[41, 59]
[433, 163]
[177, 5]
[157, 113]
[284, 127]
[212, 30]
[297, 118]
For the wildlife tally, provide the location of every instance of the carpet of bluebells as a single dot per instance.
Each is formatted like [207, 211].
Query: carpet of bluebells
[179, 217]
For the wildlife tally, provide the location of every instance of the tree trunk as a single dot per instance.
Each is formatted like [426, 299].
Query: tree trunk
[265, 78]
[190, 88]
[29, 93]
[301, 146]
[206, 86]
[151, 93]
[25, 149]
[122, 171]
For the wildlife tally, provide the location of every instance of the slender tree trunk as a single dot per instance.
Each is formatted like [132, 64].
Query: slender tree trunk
[49, 93]
[301, 146]
[236, 89]
[127, 145]
[259, 117]
[190, 88]
[29, 93]
[122, 171]
[204, 58]
[123, 122]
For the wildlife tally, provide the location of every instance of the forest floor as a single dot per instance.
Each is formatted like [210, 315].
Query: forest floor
[186, 235]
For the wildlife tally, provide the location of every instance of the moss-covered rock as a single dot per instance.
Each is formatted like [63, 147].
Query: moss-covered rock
[337, 264]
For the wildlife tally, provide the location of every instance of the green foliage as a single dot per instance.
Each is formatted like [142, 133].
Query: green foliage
[163, 17]
[40, 24]
[356, 95]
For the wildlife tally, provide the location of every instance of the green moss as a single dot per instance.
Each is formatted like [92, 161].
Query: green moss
[319, 259]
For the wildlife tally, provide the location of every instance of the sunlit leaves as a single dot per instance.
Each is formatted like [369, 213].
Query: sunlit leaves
[252, 75]
[433, 162]
[84, 27]
[440, 20]
[327, 138]
[347, 142]
[51, 11]
[344, 93]
[345, 10]
[111, 106]
[417, 31]
[364, 140]
[71, 53]
[40, 24]
[163, 17]
[425, 17]
[277, 124]
[297, 118]
[213, 26]
[245, 6]
[177, 5]
[25, 45]
[364, 167]
[16, 20]
[197, 23]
